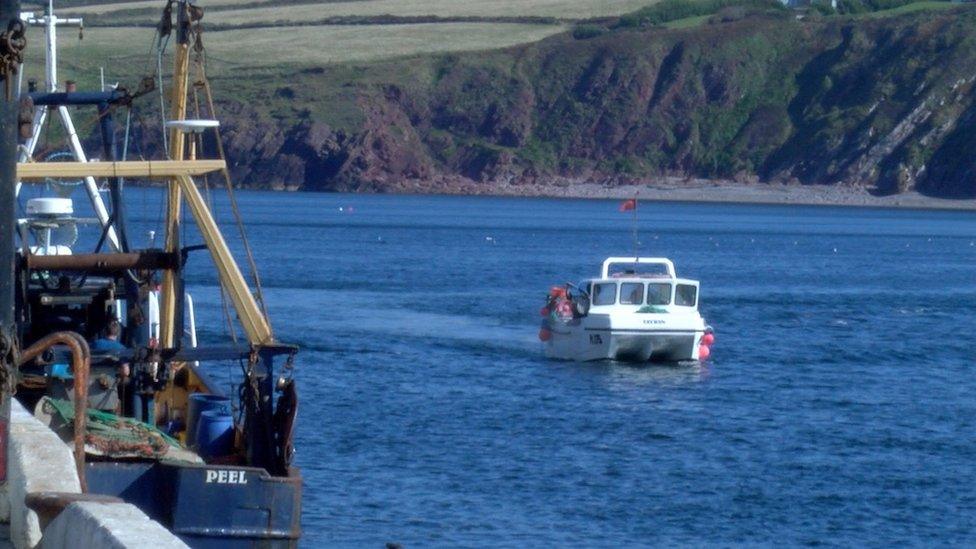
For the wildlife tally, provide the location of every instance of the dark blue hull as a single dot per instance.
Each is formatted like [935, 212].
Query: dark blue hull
[208, 506]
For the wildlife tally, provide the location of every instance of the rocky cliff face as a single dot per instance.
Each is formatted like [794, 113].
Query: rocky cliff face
[887, 104]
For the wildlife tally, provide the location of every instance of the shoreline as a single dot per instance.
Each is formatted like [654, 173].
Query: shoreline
[696, 190]
[739, 193]
[669, 190]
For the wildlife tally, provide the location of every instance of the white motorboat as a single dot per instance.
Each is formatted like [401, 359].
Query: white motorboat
[638, 310]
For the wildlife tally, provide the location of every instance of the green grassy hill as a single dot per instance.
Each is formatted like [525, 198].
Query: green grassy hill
[316, 33]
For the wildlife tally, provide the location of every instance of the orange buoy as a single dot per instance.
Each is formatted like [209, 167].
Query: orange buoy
[708, 339]
[703, 352]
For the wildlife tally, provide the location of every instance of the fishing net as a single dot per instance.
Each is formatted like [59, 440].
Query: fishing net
[110, 435]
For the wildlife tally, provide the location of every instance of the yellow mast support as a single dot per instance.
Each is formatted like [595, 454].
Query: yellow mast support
[252, 320]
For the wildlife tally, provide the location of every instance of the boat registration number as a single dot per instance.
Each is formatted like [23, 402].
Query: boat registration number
[653, 321]
[226, 477]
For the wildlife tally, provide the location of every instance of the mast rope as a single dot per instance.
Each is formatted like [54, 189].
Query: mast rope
[225, 307]
[200, 62]
[159, 44]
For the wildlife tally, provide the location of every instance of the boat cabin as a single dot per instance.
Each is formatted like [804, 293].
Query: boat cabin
[640, 282]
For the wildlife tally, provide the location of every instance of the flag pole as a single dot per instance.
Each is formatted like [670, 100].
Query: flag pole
[636, 241]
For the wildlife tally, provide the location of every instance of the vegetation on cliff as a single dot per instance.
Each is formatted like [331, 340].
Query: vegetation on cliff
[739, 90]
[882, 103]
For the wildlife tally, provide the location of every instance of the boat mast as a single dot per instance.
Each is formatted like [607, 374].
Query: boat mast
[168, 313]
[253, 320]
[12, 42]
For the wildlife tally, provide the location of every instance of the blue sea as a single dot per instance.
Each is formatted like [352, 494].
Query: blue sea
[838, 406]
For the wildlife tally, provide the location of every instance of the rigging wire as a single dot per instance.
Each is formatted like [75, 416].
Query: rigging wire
[225, 307]
[160, 50]
[125, 138]
[228, 324]
[142, 124]
[229, 185]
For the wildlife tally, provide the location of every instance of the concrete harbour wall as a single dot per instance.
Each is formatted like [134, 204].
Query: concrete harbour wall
[39, 461]
[108, 525]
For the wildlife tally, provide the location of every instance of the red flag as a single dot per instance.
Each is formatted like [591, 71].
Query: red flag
[628, 205]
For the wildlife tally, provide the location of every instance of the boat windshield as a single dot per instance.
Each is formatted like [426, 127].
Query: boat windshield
[632, 293]
[658, 293]
[686, 295]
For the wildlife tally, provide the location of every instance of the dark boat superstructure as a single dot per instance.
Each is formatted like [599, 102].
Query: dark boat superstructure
[249, 496]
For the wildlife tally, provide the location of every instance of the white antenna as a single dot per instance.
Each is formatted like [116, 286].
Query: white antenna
[50, 23]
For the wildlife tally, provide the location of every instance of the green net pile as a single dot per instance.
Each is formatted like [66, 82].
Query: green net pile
[112, 435]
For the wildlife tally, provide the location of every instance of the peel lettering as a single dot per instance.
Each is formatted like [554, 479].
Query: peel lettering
[226, 477]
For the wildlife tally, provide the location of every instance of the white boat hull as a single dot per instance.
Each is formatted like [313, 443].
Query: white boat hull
[594, 338]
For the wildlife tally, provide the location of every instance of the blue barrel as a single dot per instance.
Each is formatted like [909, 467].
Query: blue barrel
[199, 403]
[215, 434]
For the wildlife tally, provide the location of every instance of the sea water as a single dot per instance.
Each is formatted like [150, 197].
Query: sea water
[838, 405]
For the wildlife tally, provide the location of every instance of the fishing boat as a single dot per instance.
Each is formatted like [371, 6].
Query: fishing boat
[637, 310]
[104, 336]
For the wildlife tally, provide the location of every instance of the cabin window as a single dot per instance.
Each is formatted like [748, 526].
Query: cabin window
[685, 295]
[604, 294]
[658, 294]
[631, 293]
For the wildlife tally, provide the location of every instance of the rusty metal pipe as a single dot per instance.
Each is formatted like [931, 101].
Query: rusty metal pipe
[80, 365]
[103, 263]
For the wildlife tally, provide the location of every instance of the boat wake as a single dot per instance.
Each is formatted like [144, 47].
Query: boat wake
[328, 315]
